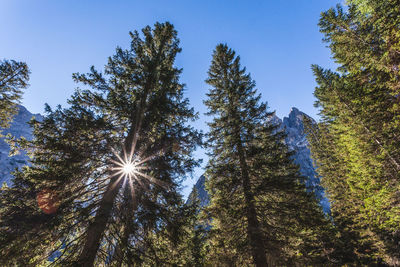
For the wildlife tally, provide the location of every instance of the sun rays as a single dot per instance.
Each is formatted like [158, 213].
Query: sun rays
[133, 169]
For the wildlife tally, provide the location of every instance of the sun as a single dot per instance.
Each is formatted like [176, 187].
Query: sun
[134, 170]
[129, 168]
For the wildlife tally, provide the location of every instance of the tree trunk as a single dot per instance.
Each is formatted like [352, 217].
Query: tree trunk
[96, 228]
[253, 225]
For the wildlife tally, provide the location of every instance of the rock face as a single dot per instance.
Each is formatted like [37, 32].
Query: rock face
[297, 142]
[19, 128]
[201, 192]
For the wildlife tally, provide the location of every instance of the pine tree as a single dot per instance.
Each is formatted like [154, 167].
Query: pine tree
[14, 78]
[260, 212]
[360, 118]
[135, 113]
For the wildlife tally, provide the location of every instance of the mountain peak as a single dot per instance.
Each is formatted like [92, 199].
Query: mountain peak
[294, 110]
[294, 119]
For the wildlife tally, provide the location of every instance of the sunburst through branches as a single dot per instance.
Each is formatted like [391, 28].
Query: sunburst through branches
[132, 168]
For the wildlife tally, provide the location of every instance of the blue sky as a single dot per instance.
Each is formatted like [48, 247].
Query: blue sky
[276, 40]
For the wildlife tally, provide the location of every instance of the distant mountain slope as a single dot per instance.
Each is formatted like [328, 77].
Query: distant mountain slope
[296, 141]
[19, 127]
[201, 192]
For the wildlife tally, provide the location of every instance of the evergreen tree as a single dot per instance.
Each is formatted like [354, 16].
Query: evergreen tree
[14, 78]
[357, 145]
[260, 212]
[354, 245]
[132, 120]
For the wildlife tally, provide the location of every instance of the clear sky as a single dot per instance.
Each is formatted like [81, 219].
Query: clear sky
[276, 40]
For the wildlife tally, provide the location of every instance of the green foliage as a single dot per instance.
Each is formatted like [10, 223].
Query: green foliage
[14, 78]
[137, 105]
[364, 6]
[250, 173]
[356, 146]
[186, 246]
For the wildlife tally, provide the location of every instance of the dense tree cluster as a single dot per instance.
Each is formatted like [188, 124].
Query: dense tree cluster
[357, 145]
[103, 183]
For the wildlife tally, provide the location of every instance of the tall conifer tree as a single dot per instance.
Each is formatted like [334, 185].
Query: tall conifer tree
[134, 112]
[260, 211]
[360, 130]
